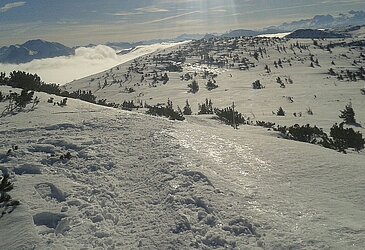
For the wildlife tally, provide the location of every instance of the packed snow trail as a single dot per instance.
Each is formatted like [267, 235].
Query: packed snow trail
[300, 194]
[90, 177]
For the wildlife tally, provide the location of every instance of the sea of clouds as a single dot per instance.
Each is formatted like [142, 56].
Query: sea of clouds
[85, 62]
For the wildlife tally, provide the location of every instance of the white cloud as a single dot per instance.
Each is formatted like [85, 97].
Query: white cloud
[126, 13]
[140, 11]
[10, 6]
[171, 17]
[85, 62]
[152, 9]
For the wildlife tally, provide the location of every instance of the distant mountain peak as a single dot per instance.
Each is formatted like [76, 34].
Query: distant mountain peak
[352, 18]
[33, 49]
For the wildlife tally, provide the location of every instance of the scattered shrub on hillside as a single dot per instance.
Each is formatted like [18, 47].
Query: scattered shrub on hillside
[129, 90]
[206, 108]
[86, 96]
[278, 80]
[194, 87]
[265, 124]
[5, 199]
[267, 69]
[128, 105]
[62, 103]
[344, 138]
[5, 186]
[187, 108]
[306, 133]
[331, 72]
[309, 111]
[211, 85]
[167, 111]
[348, 114]
[18, 102]
[226, 115]
[280, 112]
[257, 85]
[23, 80]
[340, 138]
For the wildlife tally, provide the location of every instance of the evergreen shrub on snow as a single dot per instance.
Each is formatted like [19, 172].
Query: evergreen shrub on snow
[166, 111]
[348, 114]
[226, 115]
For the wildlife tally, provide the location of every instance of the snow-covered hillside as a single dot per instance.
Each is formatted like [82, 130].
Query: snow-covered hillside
[124, 187]
[303, 87]
[140, 182]
[91, 177]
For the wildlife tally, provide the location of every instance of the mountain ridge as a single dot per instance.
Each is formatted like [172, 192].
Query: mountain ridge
[33, 49]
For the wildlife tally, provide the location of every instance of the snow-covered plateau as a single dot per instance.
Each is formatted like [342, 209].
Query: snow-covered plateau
[93, 177]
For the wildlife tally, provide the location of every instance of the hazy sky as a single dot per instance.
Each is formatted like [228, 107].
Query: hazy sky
[80, 22]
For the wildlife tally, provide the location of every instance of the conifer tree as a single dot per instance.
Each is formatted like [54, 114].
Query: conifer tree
[187, 108]
[348, 114]
[194, 87]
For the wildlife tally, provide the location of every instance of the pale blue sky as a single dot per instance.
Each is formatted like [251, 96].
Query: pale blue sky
[78, 22]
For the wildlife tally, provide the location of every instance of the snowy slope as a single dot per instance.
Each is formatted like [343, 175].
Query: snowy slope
[312, 87]
[125, 186]
[303, 196]
[140, 182]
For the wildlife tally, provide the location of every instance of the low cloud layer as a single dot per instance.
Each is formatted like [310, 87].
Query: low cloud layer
[64, 69]
[85, 62]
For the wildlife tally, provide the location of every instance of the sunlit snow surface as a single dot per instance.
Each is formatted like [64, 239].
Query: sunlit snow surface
[301, 194]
